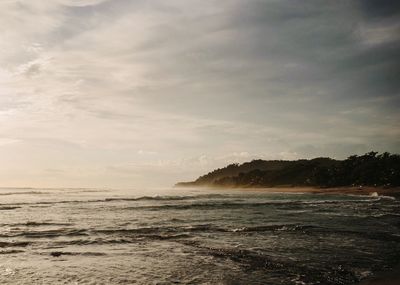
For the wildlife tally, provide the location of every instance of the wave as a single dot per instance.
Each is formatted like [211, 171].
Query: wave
[387, 197]
[85, 253]
[253, 260]
[47, 234]
[12, 251]
[121, 199]
[24, 193]
[177, 231]
[63, 237]
[37, 224]
[34, 224]
[279, 227]
[167, 229]
[233, 205]
[7, 208]
[318, 230]
[13, 244]
[165, 198]
[210, 200]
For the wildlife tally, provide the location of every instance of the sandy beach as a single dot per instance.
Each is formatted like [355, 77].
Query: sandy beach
[394, 191]
[357, 190]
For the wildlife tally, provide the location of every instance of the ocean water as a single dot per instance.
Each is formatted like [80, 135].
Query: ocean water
[191, 236]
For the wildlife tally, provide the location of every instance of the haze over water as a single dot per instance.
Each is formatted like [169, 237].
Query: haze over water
[94, 236]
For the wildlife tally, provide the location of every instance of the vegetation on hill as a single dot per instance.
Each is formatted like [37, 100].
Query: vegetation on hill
[370, 169]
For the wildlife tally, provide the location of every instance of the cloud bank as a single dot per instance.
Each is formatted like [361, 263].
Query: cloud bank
[144, 93]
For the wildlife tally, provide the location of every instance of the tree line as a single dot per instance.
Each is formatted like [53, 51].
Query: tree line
[370, 169]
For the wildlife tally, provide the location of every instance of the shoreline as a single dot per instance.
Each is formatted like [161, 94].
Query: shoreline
[367, 190]
[338, 190]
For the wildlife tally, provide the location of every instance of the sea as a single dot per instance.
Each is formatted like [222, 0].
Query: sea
[194, 236]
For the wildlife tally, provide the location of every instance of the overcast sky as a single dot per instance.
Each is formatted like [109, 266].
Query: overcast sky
[144, 93]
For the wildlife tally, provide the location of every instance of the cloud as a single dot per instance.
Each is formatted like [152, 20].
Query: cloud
[81, 3]
[7, 141]
[380, 8]
[170, 89]
[146, 152]
[32, 68]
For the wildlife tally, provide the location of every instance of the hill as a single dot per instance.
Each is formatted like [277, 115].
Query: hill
[370, 169]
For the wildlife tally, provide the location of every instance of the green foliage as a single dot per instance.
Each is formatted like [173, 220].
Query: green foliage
[370, 169]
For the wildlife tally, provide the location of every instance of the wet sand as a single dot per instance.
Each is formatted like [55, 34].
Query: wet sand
[363, 190]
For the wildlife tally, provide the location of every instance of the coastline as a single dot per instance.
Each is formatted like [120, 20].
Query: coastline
[337, 190]
[365, 190]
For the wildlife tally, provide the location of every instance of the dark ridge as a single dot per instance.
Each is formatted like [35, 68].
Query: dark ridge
[48, 234]
[11, 206]
[10, 251]
[14, 244]
[60, 253]
[35, 224]
[370, 169]
[238, 205]
[163, 198]
[24, 193]
[157, 230]
[5, 208]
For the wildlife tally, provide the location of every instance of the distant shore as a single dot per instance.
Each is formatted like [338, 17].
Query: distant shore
[336, 190]
[364, 190]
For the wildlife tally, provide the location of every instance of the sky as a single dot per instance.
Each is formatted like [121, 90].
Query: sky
[145, 93]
